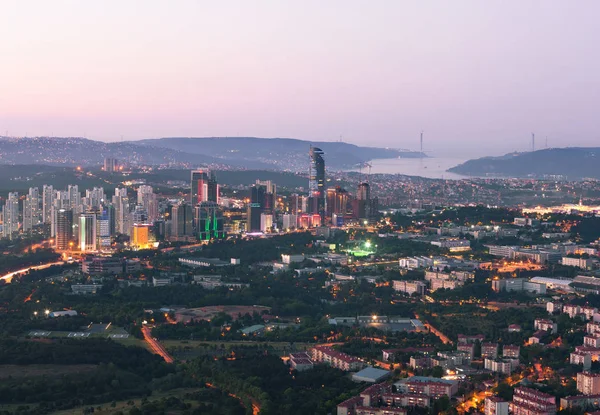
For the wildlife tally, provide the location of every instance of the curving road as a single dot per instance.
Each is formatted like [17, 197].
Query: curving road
[8, 277]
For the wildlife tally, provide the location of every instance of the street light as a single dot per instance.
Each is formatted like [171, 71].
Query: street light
[47, 311]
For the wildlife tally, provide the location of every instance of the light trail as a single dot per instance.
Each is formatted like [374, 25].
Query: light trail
[8, 277]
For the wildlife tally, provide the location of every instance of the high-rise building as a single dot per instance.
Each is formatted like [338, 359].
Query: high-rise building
[181, 220]
[87, 232]
[316, 183]
[204, 187]
[122, 217]
[31, 209]
[74, 198]
[47, 200]
[140, 235]
[147, 198]
[94, 198]
[209, 217]
[64, 228]
[337, 202]
[364, 206]
[103, 231]
[270, 202]
[10, 215]
[111, 164]
[255, 208]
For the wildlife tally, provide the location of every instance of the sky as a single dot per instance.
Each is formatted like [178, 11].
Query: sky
[478, 77]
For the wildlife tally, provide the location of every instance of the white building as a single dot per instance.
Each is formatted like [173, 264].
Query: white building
[495, 406]
[10, 215]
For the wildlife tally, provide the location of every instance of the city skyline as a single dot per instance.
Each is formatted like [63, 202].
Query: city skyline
[477, 78]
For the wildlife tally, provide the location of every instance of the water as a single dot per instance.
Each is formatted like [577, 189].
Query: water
[432, 167]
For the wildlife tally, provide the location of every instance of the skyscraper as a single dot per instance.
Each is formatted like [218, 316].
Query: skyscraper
[147, 199]
[337, 202]
[181, 221]
[209, 217]
[31, 209]
[255, 207]
[87, 232]
[204, 187]
[64, 228]
[316, 183]
[11, 215]
[111, 165]
[47, 199]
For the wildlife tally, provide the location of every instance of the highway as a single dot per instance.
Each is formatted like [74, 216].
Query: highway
[8, 277]
[155, 346]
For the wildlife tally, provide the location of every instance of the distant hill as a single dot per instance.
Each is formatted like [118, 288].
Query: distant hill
[571, 162]
[238, 152]
[280, 153]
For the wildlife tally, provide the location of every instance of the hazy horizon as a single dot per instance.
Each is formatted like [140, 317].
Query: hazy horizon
[477, 77]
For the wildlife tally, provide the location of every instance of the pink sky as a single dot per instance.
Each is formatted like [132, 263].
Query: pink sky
[477, 76]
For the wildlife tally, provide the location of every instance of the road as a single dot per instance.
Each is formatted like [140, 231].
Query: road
[155, 346]
[445, 339]
[8, 277]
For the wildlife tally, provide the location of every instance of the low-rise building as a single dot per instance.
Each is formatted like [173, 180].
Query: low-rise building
[86, 288]
[581, 401]
[545, 325]
[514, 328]
[465, 338]
[583, 263]
[528, 401]
[432, 387]
[580, 358]
[339, 360]
[301, 361]
[509, 350]
[489, 350]
[495, 406]
[588, 383]
[503, 366]
[592, 340]
[409, 287]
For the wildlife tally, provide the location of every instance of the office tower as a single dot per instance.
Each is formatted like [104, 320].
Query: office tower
[270, 205]
[103, 231]
[181, 220]
[290, 221]
[120, 203]
[364, 206]
[159, 229]
[255, 208]
[47, 199]
[94, 198]
[31, 209]
[316, 183]
[109, 211]
[139, 215]
[337, 202]
[111, 165]
[11, 215]
[147, 199]
[294, 205]
[204, 187]
[140, 235]
[87, 232]
[209, 217]
[266, 222]
[64, 228]
[74, 199]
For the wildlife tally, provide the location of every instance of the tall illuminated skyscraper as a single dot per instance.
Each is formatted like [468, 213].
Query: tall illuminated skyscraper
[47, 200]
[31, 209]
[204, 187]
[11, 215]
[209, 217]
[316, 183]
[87, 232]
[64, 228]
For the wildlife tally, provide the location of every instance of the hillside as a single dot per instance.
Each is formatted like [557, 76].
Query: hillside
[280, 153]
[240, 152]
[571, 162]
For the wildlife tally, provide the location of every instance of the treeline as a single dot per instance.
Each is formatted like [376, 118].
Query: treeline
[266, 380]
[83, 351]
